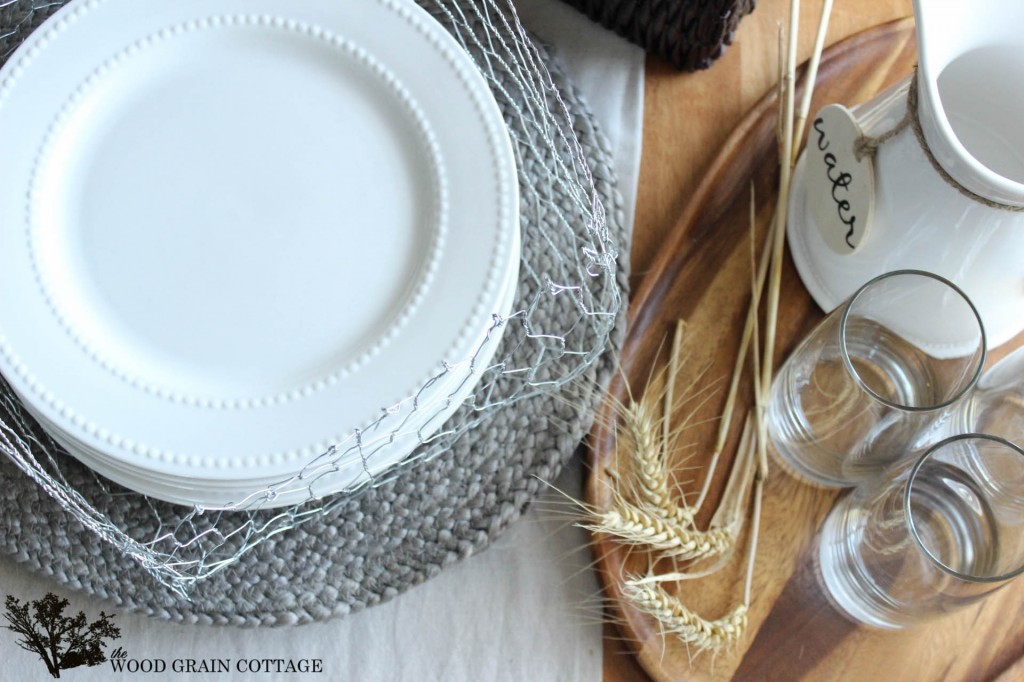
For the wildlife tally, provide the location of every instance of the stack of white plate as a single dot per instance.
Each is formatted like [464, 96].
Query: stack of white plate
[241, 237]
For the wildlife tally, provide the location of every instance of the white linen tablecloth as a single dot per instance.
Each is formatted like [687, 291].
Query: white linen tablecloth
[526, 609]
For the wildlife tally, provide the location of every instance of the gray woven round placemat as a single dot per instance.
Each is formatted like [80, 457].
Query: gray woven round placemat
[378, 544]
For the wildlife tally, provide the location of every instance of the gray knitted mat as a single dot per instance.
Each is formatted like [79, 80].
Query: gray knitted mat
[378, 544]
[688, 34]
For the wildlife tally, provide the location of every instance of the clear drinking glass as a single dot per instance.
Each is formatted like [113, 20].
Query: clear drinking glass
[927, 537]
[872, 375]
[996, 406]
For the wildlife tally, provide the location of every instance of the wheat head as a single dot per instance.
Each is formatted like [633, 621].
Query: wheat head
[676, 618]
[640, 527]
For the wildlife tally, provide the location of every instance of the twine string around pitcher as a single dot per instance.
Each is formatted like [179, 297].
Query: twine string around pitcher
[868, 145]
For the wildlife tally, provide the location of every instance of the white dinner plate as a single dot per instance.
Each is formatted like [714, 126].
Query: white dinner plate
[317, 477]
[237, 233]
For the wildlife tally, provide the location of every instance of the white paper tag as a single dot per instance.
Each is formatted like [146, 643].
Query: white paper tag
[840, 188]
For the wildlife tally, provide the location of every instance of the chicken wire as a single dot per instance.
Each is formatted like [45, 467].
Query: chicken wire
[179, 545]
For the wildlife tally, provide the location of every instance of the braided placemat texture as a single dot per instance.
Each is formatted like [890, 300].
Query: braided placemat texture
[688, 34]
[380, 543]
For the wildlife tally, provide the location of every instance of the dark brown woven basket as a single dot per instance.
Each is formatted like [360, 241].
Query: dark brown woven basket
[688, 34]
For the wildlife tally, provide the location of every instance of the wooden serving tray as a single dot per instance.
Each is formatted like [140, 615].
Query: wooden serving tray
[702, 276]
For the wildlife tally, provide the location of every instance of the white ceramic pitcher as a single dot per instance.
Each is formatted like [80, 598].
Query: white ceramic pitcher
[958, 214]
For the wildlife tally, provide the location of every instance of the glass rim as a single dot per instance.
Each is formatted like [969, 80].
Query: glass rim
[848, 306]
[966, 577]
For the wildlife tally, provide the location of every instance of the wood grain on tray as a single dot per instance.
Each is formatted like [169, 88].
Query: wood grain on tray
[700, 273]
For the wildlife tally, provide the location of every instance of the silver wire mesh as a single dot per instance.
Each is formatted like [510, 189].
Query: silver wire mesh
[179, 546]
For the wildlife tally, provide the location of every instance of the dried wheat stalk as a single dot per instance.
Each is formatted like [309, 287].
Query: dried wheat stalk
[651, 517]
[636, 526]
[675, 618]
[648, 445]
[646, 512]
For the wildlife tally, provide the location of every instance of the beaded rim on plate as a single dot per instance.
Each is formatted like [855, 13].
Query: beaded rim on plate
[460, 488]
